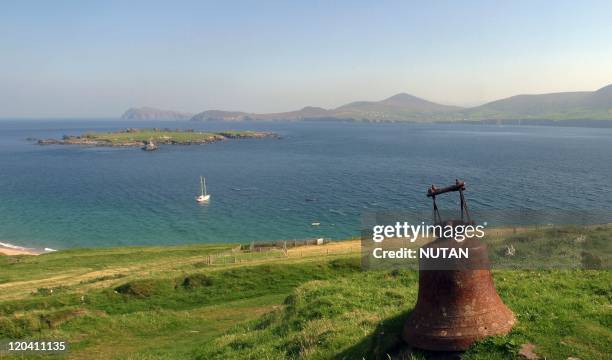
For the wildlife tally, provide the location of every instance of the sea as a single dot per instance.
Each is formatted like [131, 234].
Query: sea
[324, 173]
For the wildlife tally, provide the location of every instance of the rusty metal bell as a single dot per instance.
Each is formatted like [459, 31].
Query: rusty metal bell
[456, 307]
[457, 302]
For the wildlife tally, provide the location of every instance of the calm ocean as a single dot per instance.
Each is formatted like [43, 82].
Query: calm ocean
[332, 173]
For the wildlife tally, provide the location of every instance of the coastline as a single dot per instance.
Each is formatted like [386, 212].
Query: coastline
[11, 250]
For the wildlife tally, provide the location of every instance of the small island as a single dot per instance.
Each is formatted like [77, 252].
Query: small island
[149, 139]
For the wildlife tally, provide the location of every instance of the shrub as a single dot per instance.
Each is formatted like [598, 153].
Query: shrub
[138, 288]
[196, 280]
[350, 264]
[19, 327]
[8, 329]
[55, 319]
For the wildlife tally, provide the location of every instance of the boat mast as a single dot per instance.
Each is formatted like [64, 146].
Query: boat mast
[202, 185]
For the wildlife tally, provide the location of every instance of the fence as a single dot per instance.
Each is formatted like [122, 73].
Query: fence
[280, 250]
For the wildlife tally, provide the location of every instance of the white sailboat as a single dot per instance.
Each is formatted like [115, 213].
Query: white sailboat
[204, 197]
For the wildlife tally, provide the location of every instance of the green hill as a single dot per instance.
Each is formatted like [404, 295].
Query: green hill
[400, 107]
[170, 303]
[596, 105]
[583, 105]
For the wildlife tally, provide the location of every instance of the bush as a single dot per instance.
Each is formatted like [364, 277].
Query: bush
[55, 319]
[19, 327]
[138, 288]
[8, 329]
[349, 264]
[194, 281]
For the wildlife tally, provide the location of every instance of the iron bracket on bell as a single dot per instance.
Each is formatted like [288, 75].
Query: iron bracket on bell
[459, 186]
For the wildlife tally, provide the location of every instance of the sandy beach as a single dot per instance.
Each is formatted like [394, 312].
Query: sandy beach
[8, 249]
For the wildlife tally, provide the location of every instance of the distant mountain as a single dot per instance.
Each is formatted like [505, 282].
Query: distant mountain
[575, 106]
[400, 107]
[580, 105]
[308, 112]
[149, 113]
[601, 98]
[210, 115]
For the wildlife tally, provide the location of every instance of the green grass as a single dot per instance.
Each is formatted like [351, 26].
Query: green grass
[555, 247]
[166, 303]
[565, 313]
[155, 312]
[17, 268]
[164, 136]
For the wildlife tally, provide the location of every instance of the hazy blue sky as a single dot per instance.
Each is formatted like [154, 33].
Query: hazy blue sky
[97, 58]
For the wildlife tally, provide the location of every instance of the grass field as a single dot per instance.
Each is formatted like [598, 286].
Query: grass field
[167, 136]
[167, 303]
[139, 137]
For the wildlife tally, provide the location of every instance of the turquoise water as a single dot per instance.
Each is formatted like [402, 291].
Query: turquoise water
[332, 173]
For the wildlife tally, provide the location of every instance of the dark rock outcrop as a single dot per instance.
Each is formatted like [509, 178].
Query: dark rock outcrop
[149, 146]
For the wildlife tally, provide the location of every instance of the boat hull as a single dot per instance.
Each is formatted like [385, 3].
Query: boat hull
[202, 199]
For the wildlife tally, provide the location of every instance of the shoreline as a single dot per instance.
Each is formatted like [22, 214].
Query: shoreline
[495, 232]
[11, 250]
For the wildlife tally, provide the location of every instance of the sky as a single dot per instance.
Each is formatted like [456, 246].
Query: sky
[96, 59]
